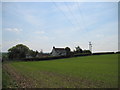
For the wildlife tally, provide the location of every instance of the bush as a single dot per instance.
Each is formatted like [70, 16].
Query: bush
[82, 54]
[44, 58]
[101, 53]
[118, 52]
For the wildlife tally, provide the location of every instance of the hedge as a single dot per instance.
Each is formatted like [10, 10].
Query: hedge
[44, 58]
[61, 57]
[82, 54]
[101, 53]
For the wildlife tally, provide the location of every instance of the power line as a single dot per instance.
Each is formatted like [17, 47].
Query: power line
[77, 22]
[81, 14]
[64, 14]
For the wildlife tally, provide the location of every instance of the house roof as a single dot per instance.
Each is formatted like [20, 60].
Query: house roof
[59, 48]
[59, 51]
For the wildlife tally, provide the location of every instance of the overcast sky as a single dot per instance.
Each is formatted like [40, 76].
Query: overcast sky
[42, 25]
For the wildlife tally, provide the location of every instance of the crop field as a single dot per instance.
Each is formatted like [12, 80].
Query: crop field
[97, 71]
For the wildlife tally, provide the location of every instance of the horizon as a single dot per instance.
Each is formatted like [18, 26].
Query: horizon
[42, 25]
[63, 47]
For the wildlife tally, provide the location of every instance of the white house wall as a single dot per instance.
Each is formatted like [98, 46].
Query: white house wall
[57, 53]
[54, 53]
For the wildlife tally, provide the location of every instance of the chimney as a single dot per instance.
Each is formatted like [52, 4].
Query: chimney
[53, 47]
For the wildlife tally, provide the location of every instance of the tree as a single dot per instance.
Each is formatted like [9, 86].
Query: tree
[78, 49]
[67, 51]
[36, 52]
[41, 52]
[18, 51]
[4, 56]
[32, 53]
[87, 51]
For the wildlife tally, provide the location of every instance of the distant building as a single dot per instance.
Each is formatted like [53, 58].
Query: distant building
[58, 52]
[28, 56]
[39, 55]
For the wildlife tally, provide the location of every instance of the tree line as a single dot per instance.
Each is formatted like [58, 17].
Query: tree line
[21, 51]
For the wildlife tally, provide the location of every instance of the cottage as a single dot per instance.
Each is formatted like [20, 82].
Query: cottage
[58, 52]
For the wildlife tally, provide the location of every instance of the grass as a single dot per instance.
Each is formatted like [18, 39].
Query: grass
[0, 75]
[8, 82]
[98, 71]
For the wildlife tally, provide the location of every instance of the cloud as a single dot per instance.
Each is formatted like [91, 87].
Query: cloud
[85, 14]
[65, 7]
[39, 32]
[26, 14]
[8, 44]
[60, 0]
[69, 10]
[96, 25]
[108, 44]
[30, 16]
[15, 30]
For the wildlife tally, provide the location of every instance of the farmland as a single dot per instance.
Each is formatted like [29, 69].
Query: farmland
[97, 71]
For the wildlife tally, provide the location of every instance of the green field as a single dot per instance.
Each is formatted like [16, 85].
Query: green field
[98, 71]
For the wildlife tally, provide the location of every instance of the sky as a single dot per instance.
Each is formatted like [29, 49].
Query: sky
[42, 25]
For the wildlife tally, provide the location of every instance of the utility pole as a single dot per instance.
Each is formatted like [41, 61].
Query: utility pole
[90, 46]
